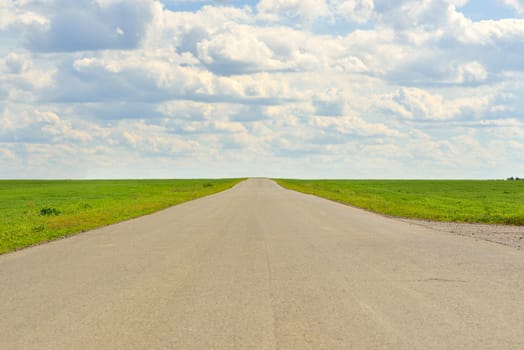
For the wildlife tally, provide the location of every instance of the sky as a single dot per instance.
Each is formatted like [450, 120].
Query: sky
[271, 88]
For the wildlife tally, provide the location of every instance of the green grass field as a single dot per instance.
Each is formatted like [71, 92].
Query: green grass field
[493, 202]
[34, 211]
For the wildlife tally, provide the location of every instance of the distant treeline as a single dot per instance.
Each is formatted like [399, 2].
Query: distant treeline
[515, 178]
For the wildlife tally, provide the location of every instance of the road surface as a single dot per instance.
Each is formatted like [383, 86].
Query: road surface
[260, 267]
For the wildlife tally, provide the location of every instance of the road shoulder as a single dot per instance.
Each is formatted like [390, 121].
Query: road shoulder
[512, 236]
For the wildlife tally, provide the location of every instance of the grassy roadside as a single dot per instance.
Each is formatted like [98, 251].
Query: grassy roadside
[493, 202]
[35, 211]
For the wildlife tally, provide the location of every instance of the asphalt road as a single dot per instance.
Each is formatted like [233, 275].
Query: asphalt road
[260, 267]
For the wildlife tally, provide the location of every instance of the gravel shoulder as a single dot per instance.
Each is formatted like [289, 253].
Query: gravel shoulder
[512, 236]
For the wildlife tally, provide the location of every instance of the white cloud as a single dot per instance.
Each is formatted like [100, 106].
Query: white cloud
[490, 32]
[152, 140]
[352, 125]
[6, 154]
[13, 14]
[304, 11]
[414, 103]
[359, 11]
[518, 5]
[236, 49]
[470, 72]
[32, 125]
[90, 25]
[17, 63]
[21, 79]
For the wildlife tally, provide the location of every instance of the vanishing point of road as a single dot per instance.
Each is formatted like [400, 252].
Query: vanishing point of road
[260, 267]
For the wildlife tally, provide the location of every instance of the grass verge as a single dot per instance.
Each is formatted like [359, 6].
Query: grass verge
[35, 211]
[486, 201]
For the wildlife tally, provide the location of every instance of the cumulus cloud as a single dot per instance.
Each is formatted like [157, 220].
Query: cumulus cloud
[155, 76]
[91, 25]
[21, 79]
[518, 5]
[17, 63]
[305, 11]
[34, 126]
[236, 50]
[414, 103]
[329, 103]
[359, 11]
[14, 14]
[419, 71]
[352, 125]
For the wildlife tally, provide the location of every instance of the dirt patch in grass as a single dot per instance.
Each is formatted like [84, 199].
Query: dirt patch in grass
[508, 235]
